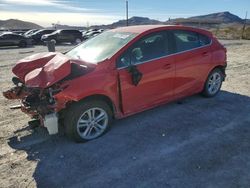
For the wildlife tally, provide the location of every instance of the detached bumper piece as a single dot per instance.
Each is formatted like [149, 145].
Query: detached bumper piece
[51, 123]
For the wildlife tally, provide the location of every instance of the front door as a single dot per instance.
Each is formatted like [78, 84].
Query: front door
[149, 59]
[7, 40]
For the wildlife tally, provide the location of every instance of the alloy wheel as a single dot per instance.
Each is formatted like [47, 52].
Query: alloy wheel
[214, 83]
[92, 123]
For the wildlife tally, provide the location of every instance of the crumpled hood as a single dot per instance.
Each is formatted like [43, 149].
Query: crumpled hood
[44, 69]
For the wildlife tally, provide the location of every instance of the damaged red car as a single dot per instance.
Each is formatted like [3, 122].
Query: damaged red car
[116, 74]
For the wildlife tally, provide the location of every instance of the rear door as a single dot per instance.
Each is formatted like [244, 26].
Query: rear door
[149, 56]
[193, 61]
[63, 36]
[67, 36]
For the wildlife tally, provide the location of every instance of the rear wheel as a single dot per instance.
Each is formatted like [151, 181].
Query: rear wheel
[77, 41]
[213, 83]
[87, 120]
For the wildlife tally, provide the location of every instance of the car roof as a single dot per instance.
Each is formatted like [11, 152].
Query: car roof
[144, 28]
[10, 33]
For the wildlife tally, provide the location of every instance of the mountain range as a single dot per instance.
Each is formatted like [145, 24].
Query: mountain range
[18, 24]
[209, 19]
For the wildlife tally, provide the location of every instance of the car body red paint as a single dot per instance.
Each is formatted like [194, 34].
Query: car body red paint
[164, 79]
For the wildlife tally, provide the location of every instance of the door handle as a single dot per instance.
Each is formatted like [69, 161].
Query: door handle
[205, 54]
[167, 66]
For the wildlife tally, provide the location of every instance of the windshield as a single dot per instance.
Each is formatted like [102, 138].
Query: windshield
[101, 47]
[37, 32]
[55, 32]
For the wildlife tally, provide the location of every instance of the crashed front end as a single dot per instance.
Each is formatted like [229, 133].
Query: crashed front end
[39, 78]
[38, 103]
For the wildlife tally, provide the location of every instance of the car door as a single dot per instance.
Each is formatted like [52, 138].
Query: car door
[15, 39]
[192, 58]
[66, 36]
[6, 40]
[2, 41]
[146, 61]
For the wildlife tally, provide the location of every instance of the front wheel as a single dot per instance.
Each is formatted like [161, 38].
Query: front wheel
[213, 83]
[87, 120]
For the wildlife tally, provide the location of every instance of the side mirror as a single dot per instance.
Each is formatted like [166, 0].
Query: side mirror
[136, 74]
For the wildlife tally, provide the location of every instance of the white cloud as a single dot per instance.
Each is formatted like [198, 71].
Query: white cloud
[32, 2]
[54, 3]
[46, 18]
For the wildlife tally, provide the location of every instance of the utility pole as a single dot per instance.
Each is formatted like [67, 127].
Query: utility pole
[127, 11]
[244, 26]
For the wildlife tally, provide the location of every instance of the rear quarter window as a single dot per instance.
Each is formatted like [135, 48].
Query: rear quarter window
[187, 40]
[204, 40]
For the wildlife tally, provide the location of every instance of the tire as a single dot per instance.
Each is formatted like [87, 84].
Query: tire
[81, 122]
[77, 41]
[213, 83]
[22, 44]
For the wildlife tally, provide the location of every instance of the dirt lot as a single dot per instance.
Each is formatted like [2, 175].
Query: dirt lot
[195, 143]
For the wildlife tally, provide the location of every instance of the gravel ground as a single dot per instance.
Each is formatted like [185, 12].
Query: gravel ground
[196, 143]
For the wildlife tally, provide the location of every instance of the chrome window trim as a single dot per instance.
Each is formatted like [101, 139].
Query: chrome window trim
[211, 41]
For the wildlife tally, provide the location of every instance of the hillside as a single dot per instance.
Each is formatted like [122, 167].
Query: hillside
[18, 24]
[208, 21]
[136, 21]
[221, 17]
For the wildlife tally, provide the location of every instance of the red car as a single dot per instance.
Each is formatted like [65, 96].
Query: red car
[116, 74]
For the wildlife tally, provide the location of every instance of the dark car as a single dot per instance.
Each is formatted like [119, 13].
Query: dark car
[29, 32]
[12, 39]
[60, 36]
[38, 34]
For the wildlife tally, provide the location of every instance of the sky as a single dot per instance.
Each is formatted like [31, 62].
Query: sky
[92, 12]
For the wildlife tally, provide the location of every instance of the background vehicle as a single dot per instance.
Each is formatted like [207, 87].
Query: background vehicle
[116, 74]
[36, 36]
[90, 34]
[27, 33]
[65, 35]
[11, 39]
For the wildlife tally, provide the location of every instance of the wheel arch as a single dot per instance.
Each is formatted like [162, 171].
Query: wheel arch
[101, 97]
[222, 68]
[22, 43]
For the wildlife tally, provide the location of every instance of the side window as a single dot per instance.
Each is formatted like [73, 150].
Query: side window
[47, 32]
[204, 40]
[15, 37]
[65, 32]
[148, 48]
[5, 36]
[10, 37]
[186, 40]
